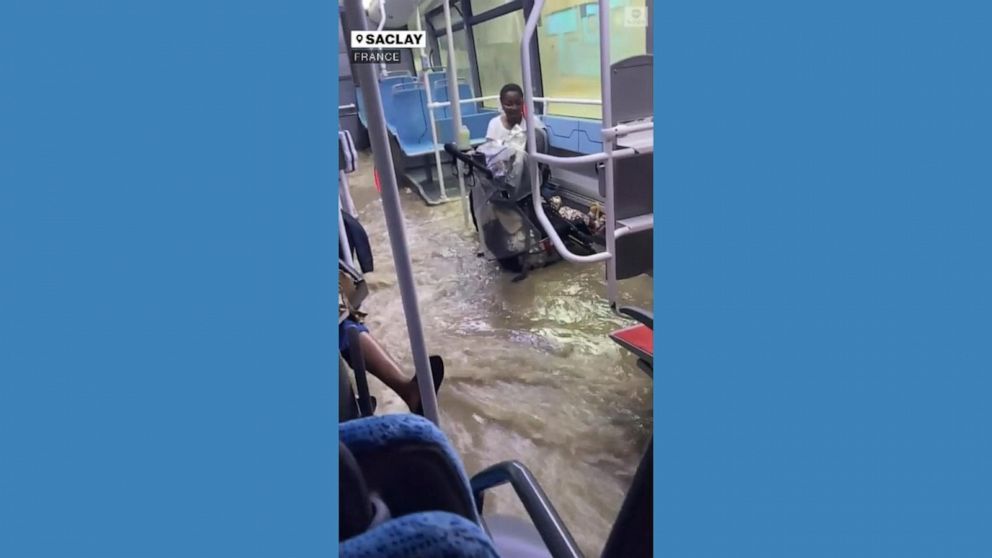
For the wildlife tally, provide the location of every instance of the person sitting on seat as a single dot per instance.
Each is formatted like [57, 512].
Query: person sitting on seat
[380, 364]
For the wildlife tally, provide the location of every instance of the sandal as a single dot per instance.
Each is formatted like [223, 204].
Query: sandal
[437, 372]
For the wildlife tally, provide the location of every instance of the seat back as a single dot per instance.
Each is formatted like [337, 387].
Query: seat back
[440, 94]
[421, 535]
[408, 462]
[476, 123]
[411, 120]
[386, 92]
[367, 527]
[541, 137]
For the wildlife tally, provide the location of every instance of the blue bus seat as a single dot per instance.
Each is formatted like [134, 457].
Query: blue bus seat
[477, 125]
[387, 92]
[440, 94]
[386, 86]
[590, 136]
[563, 132]
[436, 78]
[578, 135]
[423, 503]
[411, 129]
[421, 535]
[409, 463]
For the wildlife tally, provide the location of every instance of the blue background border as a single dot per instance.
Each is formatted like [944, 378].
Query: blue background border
[822, 287]
[168, 282]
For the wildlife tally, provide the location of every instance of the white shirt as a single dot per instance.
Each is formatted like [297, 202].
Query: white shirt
[497, 131]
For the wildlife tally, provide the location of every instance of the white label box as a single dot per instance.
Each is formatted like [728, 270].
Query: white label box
[388, 39]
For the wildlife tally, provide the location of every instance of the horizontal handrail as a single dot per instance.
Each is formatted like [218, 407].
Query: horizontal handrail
[591, 158]
[624, 129]
[547, 100]
[440, 104]
[628, 229]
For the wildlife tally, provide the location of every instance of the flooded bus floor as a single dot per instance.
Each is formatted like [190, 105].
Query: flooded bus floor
[531, 373]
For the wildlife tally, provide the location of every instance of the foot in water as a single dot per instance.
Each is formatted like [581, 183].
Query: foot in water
[437, 373]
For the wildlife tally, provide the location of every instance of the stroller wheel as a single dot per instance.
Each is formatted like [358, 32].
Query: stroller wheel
[513, 265]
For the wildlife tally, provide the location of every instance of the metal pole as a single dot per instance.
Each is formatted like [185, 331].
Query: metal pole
[343, 235]
[346, 201]
[606, 83]
[382, 24]
[394, 218]
[430, 112]
[456, 107]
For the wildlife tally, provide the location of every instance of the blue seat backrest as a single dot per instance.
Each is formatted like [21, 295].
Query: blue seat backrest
[412, 467]
[410, 105]
[465, 92]
[391, 448]
[440, 94]
[440, 90]
[578, 135]
[477, 125]
[436, 78]
[590, 136]
[386, 86]
[421, 535]
[563, 132]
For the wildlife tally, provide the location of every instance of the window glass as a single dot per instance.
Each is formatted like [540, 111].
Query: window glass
[437, 21]
[480, 7]
[497, 49]
[568, 44]
[416, 53]
[461, 54]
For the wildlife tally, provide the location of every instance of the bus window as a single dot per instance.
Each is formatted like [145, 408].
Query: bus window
[568, 44]
[461, 52]
[497, 49]
[480, 7]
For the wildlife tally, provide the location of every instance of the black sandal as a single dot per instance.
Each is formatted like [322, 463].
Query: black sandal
[437, 372]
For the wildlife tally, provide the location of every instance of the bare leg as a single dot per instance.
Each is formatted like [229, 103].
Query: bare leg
[382, 366]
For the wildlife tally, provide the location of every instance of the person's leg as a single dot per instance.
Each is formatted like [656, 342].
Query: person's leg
[382, 366]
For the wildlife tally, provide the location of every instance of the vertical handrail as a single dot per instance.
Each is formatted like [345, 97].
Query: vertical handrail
[382, 25]
[456, 107]
[345, 194]
[606, 83]
[393, 213]
[343, 237]
[430, 115]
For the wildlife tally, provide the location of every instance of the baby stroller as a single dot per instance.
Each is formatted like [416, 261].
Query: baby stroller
[503, 213]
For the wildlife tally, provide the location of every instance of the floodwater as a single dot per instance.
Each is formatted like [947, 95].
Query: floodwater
[530, 372]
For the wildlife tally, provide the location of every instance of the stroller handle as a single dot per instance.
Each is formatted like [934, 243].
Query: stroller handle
[452, 150]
